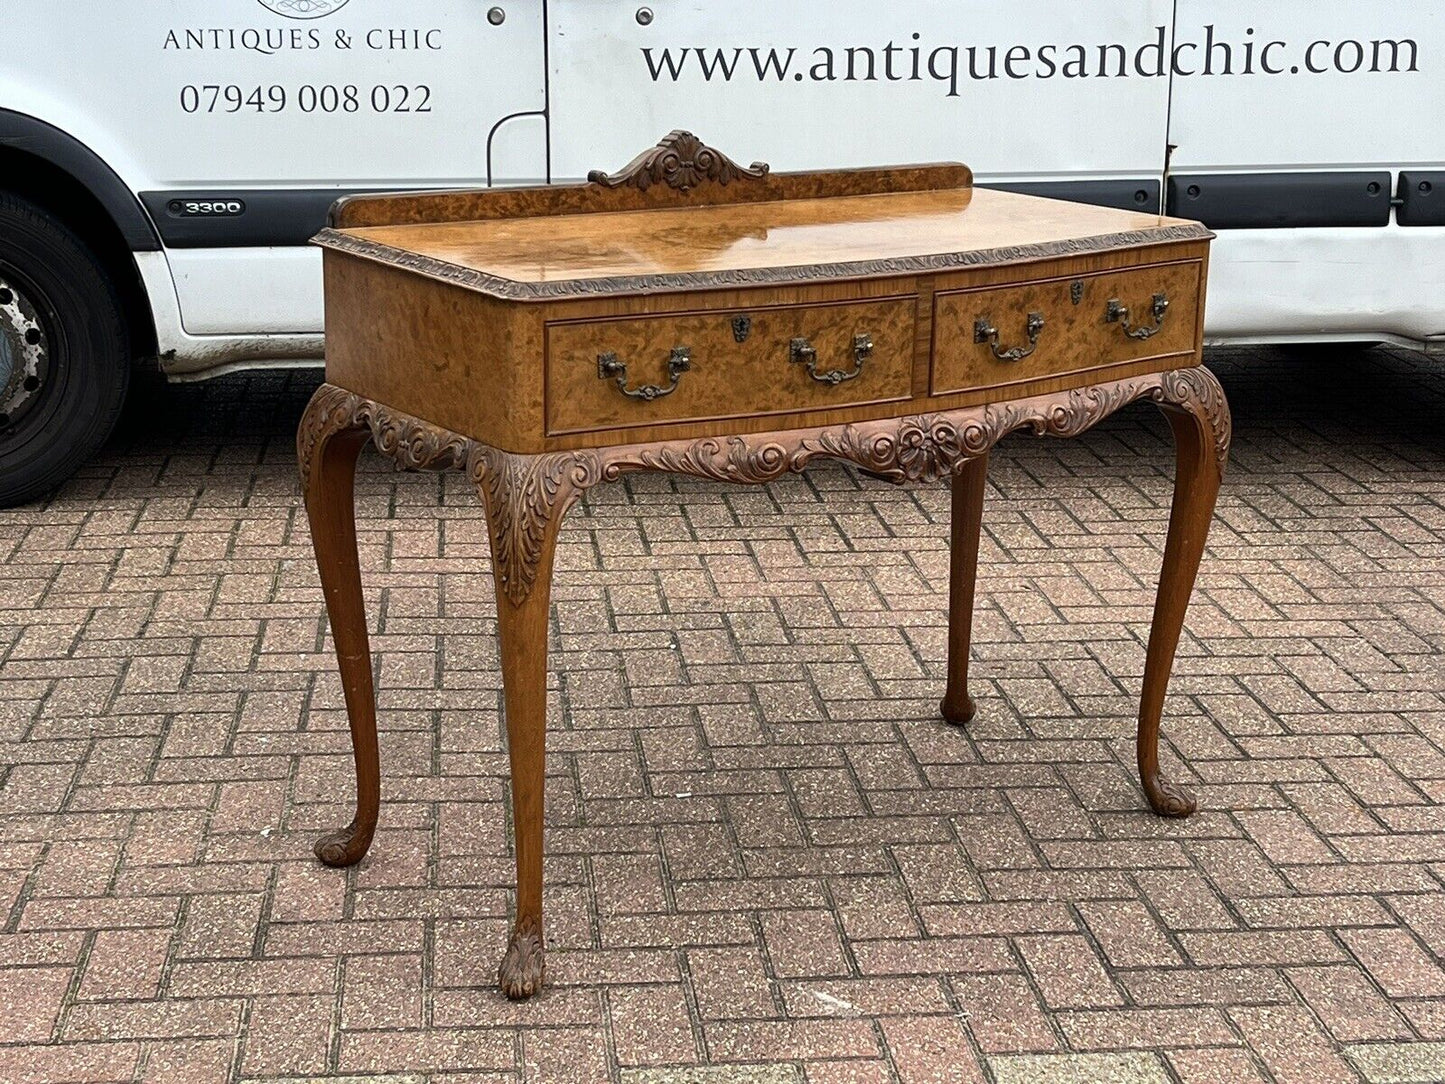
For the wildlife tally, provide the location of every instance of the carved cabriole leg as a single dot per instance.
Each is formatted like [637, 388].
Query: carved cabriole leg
[1194, 403]
[334, 429]
[526, 497]
[967, 515]
[328, 442]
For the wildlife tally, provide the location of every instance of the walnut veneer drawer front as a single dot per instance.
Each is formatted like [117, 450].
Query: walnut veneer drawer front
[643, 371]
[1001, 335]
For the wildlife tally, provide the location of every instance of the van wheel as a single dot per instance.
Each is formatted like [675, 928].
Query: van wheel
[64, 352]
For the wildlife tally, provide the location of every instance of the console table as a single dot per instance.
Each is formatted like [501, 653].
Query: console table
[693, 315]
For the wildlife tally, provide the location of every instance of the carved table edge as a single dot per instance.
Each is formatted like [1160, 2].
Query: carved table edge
[525, 493]
[796, 275]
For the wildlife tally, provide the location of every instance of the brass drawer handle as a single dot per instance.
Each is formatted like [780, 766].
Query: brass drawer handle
[985, 332]
[801, 350]
[1116, 313]
[608, 365]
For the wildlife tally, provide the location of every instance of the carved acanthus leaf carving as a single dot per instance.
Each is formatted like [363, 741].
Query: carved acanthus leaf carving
[681, 161]
[1198, 391]
[920, 448]
[413, 443]
[526, 496]
[417, 445]
[331, 410]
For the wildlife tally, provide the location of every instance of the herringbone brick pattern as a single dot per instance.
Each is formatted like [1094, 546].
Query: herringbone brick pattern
[769, 861]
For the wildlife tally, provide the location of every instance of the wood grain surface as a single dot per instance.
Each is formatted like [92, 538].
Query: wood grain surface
[728, 378]
[1075, 337]
[788, 241]
[482, 204]
[480, 365]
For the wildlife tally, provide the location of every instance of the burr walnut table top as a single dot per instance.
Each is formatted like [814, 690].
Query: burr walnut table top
[802, 240]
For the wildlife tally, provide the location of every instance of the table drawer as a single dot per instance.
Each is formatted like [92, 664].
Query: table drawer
[692, 366]
[1006, 334]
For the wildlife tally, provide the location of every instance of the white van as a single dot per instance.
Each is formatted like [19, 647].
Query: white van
[162, 164]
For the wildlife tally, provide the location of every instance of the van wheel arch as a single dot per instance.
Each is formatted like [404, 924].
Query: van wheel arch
[51, 168]
[66, 345]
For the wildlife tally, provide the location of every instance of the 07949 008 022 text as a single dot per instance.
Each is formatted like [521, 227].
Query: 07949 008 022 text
[306, 98]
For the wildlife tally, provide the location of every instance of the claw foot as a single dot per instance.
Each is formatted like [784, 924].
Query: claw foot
[958, 710]
[1167, 798]
[524, 964]
[343, 847]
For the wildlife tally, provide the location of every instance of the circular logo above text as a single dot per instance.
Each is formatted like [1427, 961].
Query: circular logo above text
[304, 9]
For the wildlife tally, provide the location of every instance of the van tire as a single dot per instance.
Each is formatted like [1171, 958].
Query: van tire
[60, 315]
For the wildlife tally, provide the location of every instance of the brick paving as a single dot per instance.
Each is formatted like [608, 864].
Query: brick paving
[769, 862]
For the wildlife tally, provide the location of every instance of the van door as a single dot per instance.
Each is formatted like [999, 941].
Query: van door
[1028, 93]
[1296, 126]
[238, 121]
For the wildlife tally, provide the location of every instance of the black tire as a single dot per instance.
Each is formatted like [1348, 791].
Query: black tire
[56, 297]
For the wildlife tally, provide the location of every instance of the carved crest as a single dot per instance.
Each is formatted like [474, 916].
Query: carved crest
[681, 161]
